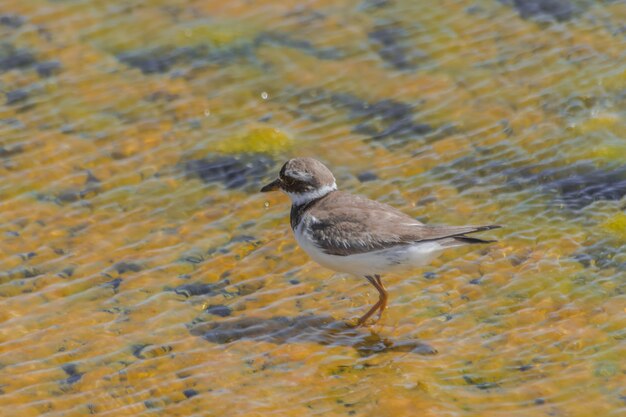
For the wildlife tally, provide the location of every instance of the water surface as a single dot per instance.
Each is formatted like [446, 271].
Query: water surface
[141, 273]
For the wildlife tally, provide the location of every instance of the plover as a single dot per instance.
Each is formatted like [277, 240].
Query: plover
[349, 233]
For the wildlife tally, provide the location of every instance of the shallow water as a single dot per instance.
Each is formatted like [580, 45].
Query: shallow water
[142, 273]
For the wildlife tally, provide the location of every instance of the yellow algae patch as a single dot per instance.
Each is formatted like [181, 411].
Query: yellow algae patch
[610, 121]
[608, 152]
[257, 140]
[218, 35]
[450, 148]
[616, 225]
[141, 30]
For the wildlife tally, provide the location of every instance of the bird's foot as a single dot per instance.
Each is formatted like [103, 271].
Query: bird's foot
[353, 323]
[359, 322]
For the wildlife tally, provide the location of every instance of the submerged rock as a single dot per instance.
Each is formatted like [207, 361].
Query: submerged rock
[16, 96]
[19, 272]
[382, 119]
[389, 122]
[560, 10]
[219, 310]
[202, 288]
[147, 351]
[13, 21]
[67, 196]
[572, 186]
[479, 383]
[7, 151]
[67, 272]
[196, 288]
[232, 171]
[367, 5]
[162, 59]
[157, 60]
[72, 373]
[389, 42]
[13, 58]
[48, 68]
[193, 256]
[284, 39]
[114, 283]
[367, 176]
[243, 238]
[602, 255]
[123, 267]
[585, 185]
[188, 393]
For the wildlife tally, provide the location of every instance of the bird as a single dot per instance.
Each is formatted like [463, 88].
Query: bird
[353, 234]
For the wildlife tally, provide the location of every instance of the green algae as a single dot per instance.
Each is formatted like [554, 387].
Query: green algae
[616, 225]
[257, 140]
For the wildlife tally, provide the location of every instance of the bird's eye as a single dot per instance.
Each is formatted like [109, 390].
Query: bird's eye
[297, 176]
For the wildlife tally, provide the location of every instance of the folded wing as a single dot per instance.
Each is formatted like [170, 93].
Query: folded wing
[348, 226]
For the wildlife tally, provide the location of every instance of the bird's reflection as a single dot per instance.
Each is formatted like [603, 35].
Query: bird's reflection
[322, 329]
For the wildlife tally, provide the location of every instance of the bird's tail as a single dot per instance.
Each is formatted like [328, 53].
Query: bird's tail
[467, 240]
[471, 240]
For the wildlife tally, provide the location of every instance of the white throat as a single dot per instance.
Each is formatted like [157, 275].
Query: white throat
[303, 198]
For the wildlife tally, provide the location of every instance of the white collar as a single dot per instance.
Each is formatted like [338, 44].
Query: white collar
[303, 198]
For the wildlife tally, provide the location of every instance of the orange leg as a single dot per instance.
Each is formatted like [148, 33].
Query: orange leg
[380, 305]
[383, 296]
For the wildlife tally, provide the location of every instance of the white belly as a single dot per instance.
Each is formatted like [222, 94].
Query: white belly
[396, 259]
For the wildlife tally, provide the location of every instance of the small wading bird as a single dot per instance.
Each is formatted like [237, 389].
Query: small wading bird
[349, 233]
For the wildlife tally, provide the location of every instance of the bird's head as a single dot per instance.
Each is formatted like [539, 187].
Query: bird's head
[303, 180]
